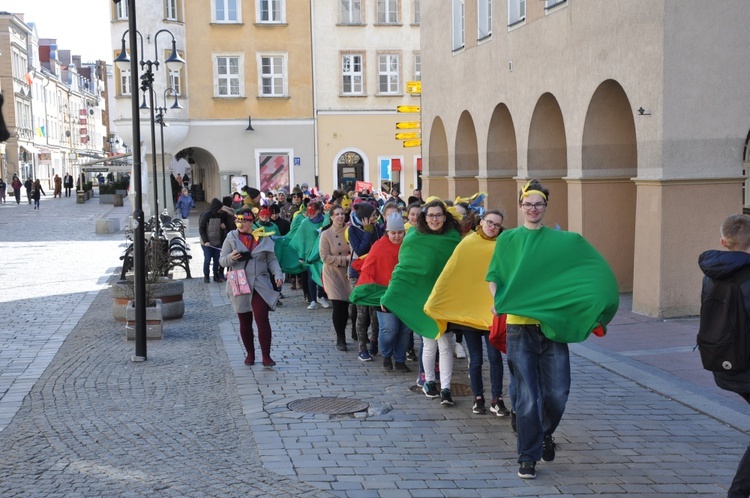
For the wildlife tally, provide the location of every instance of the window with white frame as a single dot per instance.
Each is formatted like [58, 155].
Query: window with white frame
[516, 11]
[484, 18]
[350, 12]
[125, 82]
[272, 75]
[459, 24]
[417, 66]
[226, 11]
[228, 76]
[271, 11]
[170, 10]
[121, 10]
[352, 74]
[388, 11]
[175, 81]
[388, 74]
[416, 15]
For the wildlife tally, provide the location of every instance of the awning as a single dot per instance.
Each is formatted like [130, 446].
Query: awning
[106, 160]
[419, 164]
[395, 164]
[29, 148]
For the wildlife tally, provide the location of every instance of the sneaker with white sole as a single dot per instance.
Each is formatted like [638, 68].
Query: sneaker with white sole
[313, 305]
[527, 470]
[364, 355]
[324, 302]
[479, 407]
[445, 398]
[498, 408]
[548, 448]
[430, 389]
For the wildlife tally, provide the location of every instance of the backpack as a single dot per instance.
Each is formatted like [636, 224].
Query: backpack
[724, 332]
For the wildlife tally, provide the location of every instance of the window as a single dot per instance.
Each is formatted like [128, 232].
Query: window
[388, 77]
[390, 173]
[388, 11]
[417, 66]
[484, 18]
[548, 4]
[228, 76]
[416, 19]
[170, 10]
[459, 27]
[226, 11]
[121, 10]
[350, 12]
[271, 11]
[352, 74]
[272, 78]
[516, 11]
[175, 81]
[125, 82]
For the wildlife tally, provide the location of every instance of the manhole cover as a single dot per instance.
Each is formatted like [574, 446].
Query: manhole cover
[328, 406]
[456, 389]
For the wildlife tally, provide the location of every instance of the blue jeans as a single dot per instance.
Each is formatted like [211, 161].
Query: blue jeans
[208, 254]
[473, 340]
[394, 337]
[540, 376]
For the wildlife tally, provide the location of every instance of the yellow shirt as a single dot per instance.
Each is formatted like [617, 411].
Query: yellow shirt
[521, 320]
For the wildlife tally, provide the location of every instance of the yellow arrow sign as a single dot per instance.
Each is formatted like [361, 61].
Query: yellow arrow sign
[413, 87]
[409, 125]
[412, 143]
[410, 135]
[409, 108]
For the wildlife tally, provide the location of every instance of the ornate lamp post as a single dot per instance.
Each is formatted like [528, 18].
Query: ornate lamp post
[139, 260]
[160, 119]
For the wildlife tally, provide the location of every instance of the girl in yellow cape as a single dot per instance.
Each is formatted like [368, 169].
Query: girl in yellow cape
[460, 301]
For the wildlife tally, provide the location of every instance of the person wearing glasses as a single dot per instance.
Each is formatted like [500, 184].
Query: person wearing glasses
[456, 304]
[422, 257]
[288, 209]
[554, 289]
[252, 252]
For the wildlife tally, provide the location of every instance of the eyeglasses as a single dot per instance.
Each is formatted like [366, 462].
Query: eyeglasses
[492, 224]
[242, 220]
[431, 216]
[538, 206]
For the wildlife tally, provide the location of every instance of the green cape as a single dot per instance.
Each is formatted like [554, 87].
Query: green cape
[305, 243]
[420, 261]
[555, 277]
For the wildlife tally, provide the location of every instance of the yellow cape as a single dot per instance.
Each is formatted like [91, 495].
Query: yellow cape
[461, 295]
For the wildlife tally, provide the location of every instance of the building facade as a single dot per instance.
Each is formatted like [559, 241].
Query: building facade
[635, 113]
[364, 53]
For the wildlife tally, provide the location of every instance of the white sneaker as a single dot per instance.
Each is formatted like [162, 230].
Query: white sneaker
[460, 353]
[313, 306]
[324, 302]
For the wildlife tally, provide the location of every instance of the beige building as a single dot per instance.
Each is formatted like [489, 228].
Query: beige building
[364, 53]
[635, 113]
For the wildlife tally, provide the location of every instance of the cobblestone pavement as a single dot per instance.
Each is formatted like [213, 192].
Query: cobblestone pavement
[193, 420]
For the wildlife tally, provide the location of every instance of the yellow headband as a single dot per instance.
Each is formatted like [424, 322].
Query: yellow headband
[525, 192]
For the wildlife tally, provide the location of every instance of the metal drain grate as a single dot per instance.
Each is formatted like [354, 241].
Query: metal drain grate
[456, 389]
[328, 406]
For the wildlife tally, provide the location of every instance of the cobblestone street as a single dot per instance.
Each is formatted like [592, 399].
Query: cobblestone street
[78, 418]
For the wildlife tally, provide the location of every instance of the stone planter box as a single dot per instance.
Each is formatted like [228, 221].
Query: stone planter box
[106, 198]
[154, 321]
[168, 291]
[123, 193]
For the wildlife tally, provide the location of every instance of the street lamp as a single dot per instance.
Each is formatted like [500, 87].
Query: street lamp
[139, 253]
[162, 125]
[174, 63]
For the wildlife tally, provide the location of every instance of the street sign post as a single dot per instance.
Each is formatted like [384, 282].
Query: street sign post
[413, 143]
[413, 87]
[409, 108]
[409, 135]
[409, 125]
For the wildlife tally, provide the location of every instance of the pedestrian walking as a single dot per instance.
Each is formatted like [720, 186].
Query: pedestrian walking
[422, 257]
[252, 254]
[68, 183]
[16, 184]
[555, 288]
[36, 191]
[3, 187]
[184, 204]
[334, 251]
[29, 185]
[209, 228]
[717, 266]
[58, 187]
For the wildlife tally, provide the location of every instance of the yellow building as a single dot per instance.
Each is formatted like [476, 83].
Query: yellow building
[635, 113]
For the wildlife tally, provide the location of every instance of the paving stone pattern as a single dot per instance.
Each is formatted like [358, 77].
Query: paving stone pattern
[193, 420]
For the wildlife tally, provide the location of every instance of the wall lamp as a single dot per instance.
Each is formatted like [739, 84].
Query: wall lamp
[642, 112]
[249, 124]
